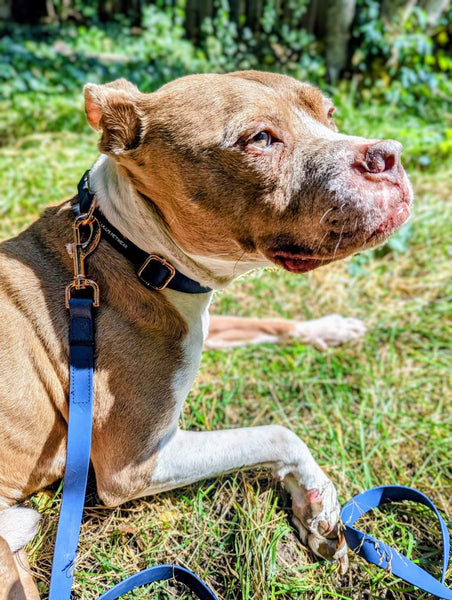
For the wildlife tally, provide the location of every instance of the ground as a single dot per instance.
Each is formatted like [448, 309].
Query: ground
[374, 412]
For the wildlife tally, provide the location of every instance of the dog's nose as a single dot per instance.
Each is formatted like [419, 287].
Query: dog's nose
[381, 157]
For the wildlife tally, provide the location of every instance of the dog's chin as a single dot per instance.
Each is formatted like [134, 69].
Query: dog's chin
[301, 263]
[396, 218]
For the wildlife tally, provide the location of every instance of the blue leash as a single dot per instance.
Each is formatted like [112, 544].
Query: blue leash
[76, 474]
[382, 555]
[81, 338]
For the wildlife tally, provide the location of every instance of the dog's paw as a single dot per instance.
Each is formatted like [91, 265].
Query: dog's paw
[18, 525]
[316, 515]
[331, 330]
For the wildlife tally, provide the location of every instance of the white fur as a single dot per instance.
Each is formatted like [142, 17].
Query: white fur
[321, 131]
[195, 310]
[18, 525]
[331, 330]
[229, 269]
[189, 456]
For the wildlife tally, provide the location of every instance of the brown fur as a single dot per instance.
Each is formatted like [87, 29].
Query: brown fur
[16, 582]
[34, 268]
[237, 329]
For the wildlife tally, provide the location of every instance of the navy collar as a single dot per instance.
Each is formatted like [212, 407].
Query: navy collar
[153, 271]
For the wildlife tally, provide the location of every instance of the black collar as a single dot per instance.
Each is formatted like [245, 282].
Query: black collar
[153, 271]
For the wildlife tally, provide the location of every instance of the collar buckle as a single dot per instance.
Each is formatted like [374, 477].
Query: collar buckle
[156, 272]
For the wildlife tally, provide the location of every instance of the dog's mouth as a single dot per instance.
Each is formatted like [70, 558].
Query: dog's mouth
[297, 263]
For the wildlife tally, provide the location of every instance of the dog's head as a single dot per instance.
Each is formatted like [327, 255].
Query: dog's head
[250, 166]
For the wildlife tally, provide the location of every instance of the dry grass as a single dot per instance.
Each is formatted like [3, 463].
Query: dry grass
[374, 412]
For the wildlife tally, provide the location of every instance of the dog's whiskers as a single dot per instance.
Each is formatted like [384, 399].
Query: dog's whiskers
[326, 212]
[237, 262]
[321, 242]
[339, 241]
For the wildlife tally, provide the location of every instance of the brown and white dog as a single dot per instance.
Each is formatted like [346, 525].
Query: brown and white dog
[219, 174]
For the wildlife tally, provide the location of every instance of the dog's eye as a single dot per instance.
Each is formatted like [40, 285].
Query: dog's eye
[262, 140]
[331, 112]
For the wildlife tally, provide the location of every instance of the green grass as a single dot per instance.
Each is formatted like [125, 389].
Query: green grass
[374, 412]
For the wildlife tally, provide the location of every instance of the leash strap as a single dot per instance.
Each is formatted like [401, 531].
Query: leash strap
[382, 555]
[81, 339]
[161, 573]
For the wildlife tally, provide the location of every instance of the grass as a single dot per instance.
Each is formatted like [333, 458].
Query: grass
[374, 412]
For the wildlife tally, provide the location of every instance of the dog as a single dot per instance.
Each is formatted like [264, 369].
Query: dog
[218, 175]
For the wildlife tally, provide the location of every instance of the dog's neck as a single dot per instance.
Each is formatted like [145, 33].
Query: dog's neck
[141, 223]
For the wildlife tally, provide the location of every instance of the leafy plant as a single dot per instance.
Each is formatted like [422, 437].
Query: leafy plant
[279, 43]
[402, 62]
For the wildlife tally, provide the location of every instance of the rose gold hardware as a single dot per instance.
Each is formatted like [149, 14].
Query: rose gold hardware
[80, 250]
[170, 267]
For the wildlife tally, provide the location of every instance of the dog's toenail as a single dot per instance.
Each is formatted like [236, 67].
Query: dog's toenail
[324, 527]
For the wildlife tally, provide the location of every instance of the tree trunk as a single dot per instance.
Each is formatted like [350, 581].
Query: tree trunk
[254, 10]
[238, 12]
[5, 10]
[195, 13]
[393, 11]
[434, 10]
[310, 17]
[338, 21]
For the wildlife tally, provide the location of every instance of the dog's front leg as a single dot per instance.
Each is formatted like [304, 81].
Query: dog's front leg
[190, 456]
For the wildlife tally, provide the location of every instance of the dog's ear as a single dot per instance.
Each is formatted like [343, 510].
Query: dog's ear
[113, 109]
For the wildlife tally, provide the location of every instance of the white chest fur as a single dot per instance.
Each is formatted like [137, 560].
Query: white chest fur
[194, 308]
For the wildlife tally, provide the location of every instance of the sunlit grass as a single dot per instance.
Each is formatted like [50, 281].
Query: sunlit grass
[374, 412]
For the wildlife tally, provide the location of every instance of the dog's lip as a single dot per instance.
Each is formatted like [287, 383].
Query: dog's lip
[296, 263]
[396, 218]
